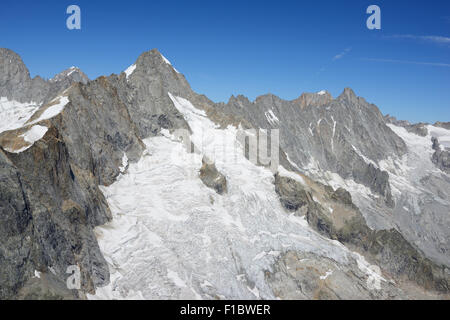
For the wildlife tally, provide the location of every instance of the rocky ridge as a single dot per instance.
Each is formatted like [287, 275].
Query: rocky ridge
[51, 192]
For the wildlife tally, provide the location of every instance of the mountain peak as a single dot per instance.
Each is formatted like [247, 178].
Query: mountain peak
[153, 56]
[7, 54]
[73, 74]
[150, 59]
[315, 99]
[348, 93]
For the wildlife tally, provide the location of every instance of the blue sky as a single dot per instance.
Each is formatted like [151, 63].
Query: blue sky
[252, 47]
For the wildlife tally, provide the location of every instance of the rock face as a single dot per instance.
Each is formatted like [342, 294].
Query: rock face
[445, 125]
[212, 178]
[311, 277]
[293, 195]
[16, 229]
[313, 99]
[441, 158]
[328, 135]
[344, 222]
[339, 196]
[145, 92]
[307, 276]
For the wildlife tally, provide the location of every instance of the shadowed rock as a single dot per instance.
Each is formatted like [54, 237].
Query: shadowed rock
[212, 178]
[346, 224]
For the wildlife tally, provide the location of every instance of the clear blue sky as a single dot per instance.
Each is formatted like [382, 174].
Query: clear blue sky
[252, 47]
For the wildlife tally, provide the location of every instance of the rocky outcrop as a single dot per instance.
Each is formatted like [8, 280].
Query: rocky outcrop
[145, 92]
[46, 286]
[212, 178]
[64, 204]
[393, 120]
[345, 135]
[293, 195]
[343, 221]
[313, 99]
[50, 188]
[307, 276]
[16, 83]
[416, 128]
[445, 125]
[441, 157]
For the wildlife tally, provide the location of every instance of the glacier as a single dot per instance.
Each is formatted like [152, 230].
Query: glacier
[171, 237]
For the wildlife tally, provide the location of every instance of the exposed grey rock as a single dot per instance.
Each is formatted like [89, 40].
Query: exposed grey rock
[84, 147]
[64, 205]
[311, 277]
[145, 93]
[332, 134]
[292, 195]
[313, 99]
[50, 199]
[69, 76]
[16, 83]
[212, 178]
[445, 125]
[393, 120]
[47, 286]
[441, 158]
[346, 224]
[416, 128]
[299, 276]
[16, 230]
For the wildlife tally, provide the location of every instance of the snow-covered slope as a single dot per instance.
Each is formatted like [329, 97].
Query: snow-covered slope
[442, 134]
[14, 114]
[172, 237]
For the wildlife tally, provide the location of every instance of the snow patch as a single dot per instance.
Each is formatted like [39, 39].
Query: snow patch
[310, 129]
[271, 117]
[15, 114]
[124, 163]
[172, 275]
[130, 70]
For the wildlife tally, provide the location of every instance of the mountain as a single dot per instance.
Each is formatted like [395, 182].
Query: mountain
[153, 191]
